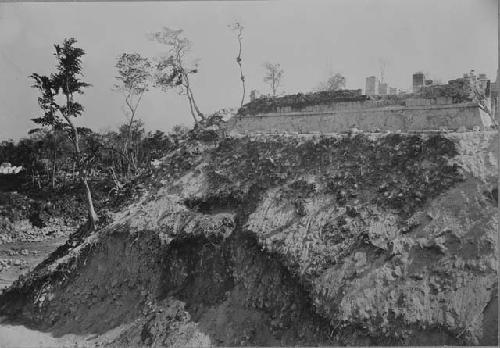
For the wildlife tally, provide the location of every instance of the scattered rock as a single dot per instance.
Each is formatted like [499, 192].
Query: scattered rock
[360, 259]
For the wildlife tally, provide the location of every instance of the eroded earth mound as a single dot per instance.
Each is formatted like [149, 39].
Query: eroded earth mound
[288, 240]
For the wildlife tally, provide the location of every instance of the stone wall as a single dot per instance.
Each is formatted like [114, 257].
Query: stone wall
[334, 120]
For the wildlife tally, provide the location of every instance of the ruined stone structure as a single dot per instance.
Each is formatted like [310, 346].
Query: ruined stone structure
[383, 88]
[371, 85]
[374, 86]
[418, 81]
[462, 104]
[415, 115]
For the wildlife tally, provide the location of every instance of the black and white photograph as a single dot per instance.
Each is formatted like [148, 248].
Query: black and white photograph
[260, 173]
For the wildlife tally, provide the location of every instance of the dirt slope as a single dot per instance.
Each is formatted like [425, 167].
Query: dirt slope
[387, 239]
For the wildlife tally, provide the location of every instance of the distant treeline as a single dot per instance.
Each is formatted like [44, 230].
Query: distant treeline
[48, 159]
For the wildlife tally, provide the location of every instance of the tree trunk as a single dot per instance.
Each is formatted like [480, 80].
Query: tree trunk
[196, 106]
[53, 168]
[244, 88]
[128, 140]
[126, 153]
[242, 77]
[38, 180]
[92, 216]
[192, 102]
[191, 108]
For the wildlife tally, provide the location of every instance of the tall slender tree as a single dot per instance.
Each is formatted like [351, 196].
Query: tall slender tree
[66, 82]
[172, 70]
[237, 28]
[273, 76]
[134, 74]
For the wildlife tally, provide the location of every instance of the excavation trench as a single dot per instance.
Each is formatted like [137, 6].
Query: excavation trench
[226, 290]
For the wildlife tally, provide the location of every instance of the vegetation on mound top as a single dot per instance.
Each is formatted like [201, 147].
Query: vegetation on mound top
[64, 202]
[460, 90]
[300, 101]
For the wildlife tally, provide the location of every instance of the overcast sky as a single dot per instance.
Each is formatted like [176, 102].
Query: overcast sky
[310, 39]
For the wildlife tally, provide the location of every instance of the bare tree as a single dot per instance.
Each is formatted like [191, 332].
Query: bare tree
[133, 81]
[238, 29]
[335, 82]
[67, 80]
[171, 70]
[273, 76]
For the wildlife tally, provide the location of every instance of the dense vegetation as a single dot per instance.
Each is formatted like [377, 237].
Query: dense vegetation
[48, 185]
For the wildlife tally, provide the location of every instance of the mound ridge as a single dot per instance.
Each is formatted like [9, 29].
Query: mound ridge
[285, 240]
